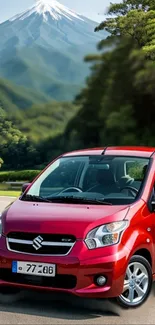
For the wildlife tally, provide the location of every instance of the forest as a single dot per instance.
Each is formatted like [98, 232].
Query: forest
[116, 106]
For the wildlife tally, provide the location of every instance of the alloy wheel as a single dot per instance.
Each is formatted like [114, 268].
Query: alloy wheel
[135, 284]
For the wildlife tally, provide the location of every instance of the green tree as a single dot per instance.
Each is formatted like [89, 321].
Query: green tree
[30, 137]
[134, 19]
[16, 150]
[118, 103]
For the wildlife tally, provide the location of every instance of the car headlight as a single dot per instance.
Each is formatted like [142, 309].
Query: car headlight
[0, 224]
[105, 235]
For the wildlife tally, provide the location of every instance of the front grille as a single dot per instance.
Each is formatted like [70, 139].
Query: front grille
[60, 281]
[44, 250]
[42, 244]
[47, 237]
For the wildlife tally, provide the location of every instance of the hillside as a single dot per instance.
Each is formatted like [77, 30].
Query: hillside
[45, 120]
[13, 97]
[43, 49]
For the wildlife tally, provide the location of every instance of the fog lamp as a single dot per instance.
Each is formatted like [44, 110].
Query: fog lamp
[100, 280]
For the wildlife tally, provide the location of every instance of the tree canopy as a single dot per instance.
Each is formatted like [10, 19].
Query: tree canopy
[15, 149]
[118, 103]
[25, 135]
[134, 19]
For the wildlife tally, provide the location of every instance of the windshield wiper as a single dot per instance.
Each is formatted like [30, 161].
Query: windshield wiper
[35, 198]
[67, 199]
[74, 199]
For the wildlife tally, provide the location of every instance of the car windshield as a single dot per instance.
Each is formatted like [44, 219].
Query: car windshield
[80, 179]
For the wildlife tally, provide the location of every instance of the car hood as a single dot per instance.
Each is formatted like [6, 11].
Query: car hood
[59, 218]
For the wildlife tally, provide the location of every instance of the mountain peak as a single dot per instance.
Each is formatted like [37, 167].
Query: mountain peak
[43, 6]
[48, 7]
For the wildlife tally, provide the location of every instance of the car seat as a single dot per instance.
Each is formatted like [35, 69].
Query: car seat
[105, 182]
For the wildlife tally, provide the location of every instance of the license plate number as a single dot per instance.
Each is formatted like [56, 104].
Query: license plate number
[40, 269]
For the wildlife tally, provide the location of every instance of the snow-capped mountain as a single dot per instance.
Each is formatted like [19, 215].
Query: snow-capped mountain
[43, 48]
[42, 7]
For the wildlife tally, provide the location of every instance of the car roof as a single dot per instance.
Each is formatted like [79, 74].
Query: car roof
[115, 151]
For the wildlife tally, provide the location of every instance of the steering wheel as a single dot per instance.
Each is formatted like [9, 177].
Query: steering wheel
[131, 189]
[76, 189]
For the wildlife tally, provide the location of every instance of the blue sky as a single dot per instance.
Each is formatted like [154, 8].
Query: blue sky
[93, 9]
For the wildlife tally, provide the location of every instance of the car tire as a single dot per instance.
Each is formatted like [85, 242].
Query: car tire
[136, 287]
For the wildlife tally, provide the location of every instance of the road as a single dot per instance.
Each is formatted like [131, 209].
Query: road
[61, 309]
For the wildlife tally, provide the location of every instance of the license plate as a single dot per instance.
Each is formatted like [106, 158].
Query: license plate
[40, 269]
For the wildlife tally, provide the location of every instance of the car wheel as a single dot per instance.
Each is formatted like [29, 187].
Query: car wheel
[137, 283]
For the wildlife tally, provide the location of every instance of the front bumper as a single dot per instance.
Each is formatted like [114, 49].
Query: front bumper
[74, 275]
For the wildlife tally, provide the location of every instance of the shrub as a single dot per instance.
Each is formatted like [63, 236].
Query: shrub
[22, 175]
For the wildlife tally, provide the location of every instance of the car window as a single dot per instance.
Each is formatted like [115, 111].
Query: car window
[136, 169]
[90, 177]
[94, 176]
[62, 177]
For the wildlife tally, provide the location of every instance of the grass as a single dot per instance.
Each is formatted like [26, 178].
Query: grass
[10, 193]
[5, 190]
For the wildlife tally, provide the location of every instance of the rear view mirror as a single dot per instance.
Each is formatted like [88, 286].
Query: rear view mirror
[25, 186]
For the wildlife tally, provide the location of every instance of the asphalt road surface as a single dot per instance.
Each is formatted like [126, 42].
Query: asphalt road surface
[33, 308]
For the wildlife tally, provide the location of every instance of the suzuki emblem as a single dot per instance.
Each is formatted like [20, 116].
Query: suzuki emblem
[37, 242]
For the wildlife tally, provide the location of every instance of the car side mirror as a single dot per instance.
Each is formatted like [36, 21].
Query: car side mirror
[25, 186]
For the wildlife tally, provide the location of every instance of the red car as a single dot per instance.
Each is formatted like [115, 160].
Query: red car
[85, 226]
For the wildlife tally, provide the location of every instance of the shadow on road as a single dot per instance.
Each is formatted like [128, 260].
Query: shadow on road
[153, 290]
[60, 306]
